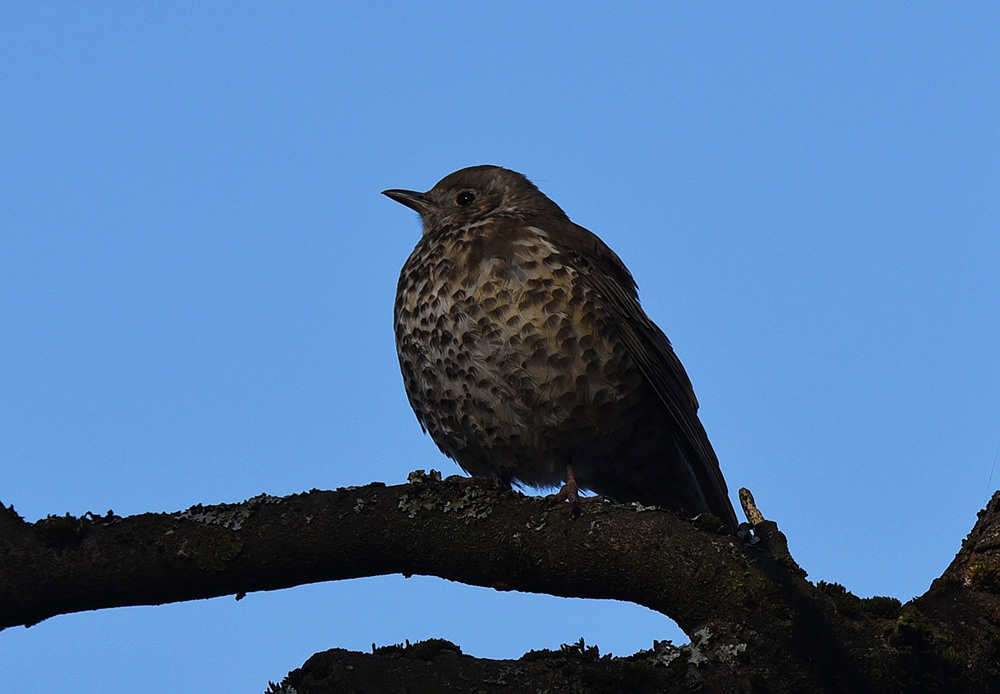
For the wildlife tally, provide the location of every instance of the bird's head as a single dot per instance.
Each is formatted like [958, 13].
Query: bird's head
[474, 195]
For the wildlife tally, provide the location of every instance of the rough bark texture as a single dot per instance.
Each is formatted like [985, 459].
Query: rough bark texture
[755, 622]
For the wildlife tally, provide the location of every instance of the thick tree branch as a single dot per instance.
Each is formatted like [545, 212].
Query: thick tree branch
[467, 533]
[751, 610]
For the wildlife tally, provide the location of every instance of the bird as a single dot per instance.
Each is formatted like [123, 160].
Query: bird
[527, 357]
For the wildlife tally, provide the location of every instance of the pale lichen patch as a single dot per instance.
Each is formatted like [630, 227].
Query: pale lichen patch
[229, 516]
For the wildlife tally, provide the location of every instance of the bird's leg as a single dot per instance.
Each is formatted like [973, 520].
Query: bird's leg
[570, 490]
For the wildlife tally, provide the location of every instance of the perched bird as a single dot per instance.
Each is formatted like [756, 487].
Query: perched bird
[527, 357]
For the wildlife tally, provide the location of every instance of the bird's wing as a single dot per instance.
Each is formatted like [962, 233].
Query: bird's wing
[652, 352]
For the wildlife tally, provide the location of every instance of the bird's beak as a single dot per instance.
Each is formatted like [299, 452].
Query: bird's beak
[410, 198]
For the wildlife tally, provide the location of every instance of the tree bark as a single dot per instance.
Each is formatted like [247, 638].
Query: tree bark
[755, 622]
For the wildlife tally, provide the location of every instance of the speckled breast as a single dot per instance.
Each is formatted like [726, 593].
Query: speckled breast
[506, 354]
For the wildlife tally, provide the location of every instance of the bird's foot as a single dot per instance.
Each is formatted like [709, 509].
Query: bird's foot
[568, 492]
[571, 492]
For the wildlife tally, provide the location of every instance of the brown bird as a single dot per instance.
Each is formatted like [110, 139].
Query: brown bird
[527, 357]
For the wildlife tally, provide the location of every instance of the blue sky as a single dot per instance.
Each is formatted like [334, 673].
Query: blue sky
[197, 273]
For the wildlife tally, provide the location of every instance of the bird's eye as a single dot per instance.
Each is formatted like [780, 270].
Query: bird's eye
[465, 198]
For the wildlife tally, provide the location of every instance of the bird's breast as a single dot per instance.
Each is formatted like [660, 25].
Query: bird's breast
[503, 346]
[491, 298]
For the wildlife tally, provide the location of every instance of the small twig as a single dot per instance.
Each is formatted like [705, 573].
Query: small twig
[753, 513]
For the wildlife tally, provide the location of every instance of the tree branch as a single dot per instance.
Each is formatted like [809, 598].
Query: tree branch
[750, 608]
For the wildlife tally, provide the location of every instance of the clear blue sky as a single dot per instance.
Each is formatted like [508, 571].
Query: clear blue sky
[197, 273]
